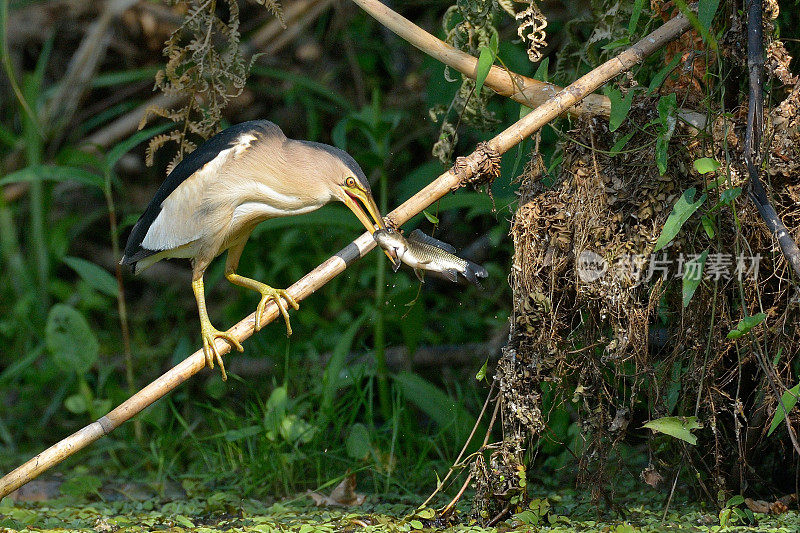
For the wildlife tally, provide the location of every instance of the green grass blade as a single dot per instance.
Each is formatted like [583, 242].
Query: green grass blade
[788, 401]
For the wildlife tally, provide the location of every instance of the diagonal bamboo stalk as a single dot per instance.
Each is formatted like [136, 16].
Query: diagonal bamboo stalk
[522, 89]
[463, 172]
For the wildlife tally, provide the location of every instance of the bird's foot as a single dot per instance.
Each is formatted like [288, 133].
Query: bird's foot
[277, 295]
[210, 335]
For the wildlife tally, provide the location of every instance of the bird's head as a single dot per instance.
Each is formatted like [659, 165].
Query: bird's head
[356, 195]
[349, 185]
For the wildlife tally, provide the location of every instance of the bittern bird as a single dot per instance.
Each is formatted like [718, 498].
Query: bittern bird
[214, 198]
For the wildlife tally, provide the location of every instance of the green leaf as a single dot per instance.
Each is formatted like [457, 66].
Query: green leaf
[80, 486]
[704, 165]
[275, 411]
[541, 70]
[725, 517]
[681, 211]
[97, 277]
[295, 430]
[528, 517]
[729, 195]
[233, 435]
[746, 324]
[735, 500]
[679, 427]
[358, 442]
[619, 43]
[183, 520]
[435, 403]
[708, 226]
[76, 404]
[620, 144]
[788, 400]
[432, 219]
[485, 61]
[330, 378]
[54, 173]
[339, 133]
[620, 106]
[692, 276]
[70, 340]
[130, 143]
[124, 77]
[667, 107]
[662, 74]
[482, 372]
[706, 9]
[634, 21]
[662, 153]
[415, 524]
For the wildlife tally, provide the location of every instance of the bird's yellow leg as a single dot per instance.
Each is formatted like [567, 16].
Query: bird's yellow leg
[209, 332]
[267, 294]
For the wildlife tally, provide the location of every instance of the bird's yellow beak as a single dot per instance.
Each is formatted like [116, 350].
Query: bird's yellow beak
[351, 194]
[365, 209]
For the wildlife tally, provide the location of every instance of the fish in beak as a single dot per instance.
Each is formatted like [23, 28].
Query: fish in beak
[363, 206]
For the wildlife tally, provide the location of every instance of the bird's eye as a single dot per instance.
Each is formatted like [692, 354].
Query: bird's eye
[350, 182]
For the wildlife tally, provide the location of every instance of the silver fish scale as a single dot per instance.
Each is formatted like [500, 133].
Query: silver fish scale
[426, 253]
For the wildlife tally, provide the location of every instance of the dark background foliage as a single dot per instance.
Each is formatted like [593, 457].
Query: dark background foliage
[379, 377]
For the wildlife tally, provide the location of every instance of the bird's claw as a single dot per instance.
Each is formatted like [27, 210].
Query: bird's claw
[277, 295]
[210, 335]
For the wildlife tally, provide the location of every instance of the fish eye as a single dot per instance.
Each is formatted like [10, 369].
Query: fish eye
[350, 182]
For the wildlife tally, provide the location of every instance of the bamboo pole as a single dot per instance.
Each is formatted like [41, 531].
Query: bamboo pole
[522, 89]
[463, 172]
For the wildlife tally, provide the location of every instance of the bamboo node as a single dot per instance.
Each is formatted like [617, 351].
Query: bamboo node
[106, 424]
[481, 167]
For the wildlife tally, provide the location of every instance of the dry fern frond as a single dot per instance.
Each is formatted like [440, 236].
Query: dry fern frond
[274, 7]
[207, 65]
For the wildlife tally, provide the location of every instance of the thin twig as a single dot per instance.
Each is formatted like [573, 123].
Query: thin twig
[457, 497]
[671, 492]
[464, 448]
[499, 515]
[462, 173]
[752, 157]
[491, 422]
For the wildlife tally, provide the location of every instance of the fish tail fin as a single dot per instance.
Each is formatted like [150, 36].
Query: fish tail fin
[474, 273]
